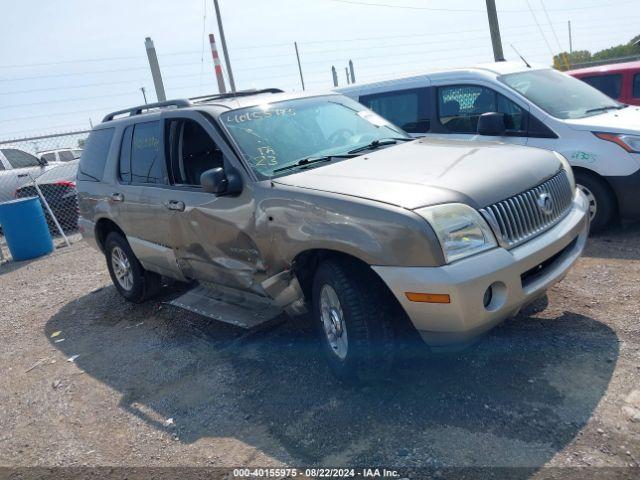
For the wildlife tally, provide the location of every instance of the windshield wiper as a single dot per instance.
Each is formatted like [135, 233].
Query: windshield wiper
[605, 108]
[304, 162]
[380, 143]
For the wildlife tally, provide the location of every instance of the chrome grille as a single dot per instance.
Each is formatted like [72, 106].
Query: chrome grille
[522, 217]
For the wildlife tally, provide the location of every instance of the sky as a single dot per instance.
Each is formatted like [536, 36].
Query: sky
[66, 63]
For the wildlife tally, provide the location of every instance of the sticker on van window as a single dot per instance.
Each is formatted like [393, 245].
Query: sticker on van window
[259, 114]
[584, 157]
[373, 118]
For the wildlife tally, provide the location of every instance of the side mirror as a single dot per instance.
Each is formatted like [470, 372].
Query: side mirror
[214, 180]
[43, 162]
[218, 182]
[492, 123]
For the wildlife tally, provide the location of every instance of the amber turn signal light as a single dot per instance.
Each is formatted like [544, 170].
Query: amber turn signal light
[428, 297]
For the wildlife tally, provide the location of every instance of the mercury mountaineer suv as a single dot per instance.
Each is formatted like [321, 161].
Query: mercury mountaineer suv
[314, 204]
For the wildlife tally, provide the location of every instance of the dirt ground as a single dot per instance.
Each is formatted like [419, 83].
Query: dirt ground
[88, 379]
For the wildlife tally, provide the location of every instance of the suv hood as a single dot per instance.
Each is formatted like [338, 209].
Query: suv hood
[626, 120]
[432, 171]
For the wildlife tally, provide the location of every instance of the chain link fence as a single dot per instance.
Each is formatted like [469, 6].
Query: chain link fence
[45, 167]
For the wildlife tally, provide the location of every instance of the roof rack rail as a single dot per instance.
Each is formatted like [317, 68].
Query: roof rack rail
[240, 93]
[140, 108]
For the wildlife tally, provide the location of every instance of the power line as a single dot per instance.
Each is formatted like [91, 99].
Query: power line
[535, 19]
[465, 10]
[67, 100]
[324, 41]
[553, 30]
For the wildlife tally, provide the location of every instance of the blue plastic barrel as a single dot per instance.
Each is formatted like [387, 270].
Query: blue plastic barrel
[25, 228]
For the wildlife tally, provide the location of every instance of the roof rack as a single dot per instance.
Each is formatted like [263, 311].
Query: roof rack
[140, 108]
[240, 93]
[183, 102]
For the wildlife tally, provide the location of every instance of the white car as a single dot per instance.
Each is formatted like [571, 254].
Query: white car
[537, 106]
[60, 155]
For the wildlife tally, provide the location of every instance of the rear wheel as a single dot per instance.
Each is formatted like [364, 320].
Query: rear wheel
[352, 315]
[600, 199]
[131, 280]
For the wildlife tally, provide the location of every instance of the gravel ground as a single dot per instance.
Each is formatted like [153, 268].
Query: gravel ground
[150, 385]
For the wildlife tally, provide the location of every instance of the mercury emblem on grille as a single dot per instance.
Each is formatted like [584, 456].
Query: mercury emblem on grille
[545, 202]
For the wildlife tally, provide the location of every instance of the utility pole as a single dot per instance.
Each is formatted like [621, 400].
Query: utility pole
[155, 69]
[144, 94]
[295, 44]
[216, 64]
[494, 28]
[353, 75]
[334, 75]
[570, 38]
[225, 52]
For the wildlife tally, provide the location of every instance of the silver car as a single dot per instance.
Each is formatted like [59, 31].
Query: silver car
[315, 203]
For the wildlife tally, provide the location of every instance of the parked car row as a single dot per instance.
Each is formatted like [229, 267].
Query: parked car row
[56, 180]
[409, 205]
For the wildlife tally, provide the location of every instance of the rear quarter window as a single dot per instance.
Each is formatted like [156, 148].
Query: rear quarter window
[636, 85]
[94, 155]
[405, 108]
[610, 85]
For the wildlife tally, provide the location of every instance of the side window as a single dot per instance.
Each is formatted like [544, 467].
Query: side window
[49, 157]
[610, 85]
[19, 159]
[514, 116]
[460, 107]
[66, 155]
[146, 154]
[124, 163]
[404, 108]
[191, 152]
[95, 154]
[636, 85]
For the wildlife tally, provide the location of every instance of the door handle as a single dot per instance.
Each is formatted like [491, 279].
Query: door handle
[117, 197]
[175, 205]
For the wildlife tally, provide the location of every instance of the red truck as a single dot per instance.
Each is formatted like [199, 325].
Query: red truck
[621, 81]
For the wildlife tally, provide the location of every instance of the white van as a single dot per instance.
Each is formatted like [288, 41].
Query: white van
[536, 106]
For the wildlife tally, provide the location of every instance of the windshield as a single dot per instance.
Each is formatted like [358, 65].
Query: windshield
[559, 94]
[275, 135]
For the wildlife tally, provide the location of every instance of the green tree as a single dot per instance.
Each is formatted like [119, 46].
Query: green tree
[584, 56]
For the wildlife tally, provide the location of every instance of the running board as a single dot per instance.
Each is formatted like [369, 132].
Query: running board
[235, 307]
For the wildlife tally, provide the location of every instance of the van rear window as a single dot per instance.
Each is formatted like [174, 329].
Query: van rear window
[94, 155]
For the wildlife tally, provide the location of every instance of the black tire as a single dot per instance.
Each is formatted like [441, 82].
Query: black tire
[367, 312]
[144, 285]
[602, 199]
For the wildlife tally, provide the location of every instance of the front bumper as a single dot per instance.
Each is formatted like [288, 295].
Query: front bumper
[517, 276]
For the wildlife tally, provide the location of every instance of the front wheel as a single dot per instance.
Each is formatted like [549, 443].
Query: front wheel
[352, 313]
[131, 280]
[601, 202]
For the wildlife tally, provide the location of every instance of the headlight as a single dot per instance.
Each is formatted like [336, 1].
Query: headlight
[631, 143]
[461, 230]
[567, 168]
